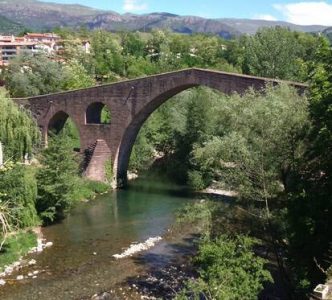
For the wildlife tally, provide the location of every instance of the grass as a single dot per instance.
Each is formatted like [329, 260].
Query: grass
[87, 189]
[16, 246]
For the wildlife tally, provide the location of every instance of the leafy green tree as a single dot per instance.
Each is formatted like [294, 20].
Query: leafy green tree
[257, 144]
[235, 51]
[19, 133]
[142, 153]
[107, 56]
[138, 67]
[132, 44]
[31, 75]
[56, 179]
[19, 192]
[274, 53]
[228, 269]
[311, 233]
[76, 76]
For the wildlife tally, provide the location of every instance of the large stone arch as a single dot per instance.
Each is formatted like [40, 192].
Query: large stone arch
[132, 130]
[226, 83]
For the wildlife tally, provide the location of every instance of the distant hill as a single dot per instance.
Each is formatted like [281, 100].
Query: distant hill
[41, 15]
[9, 27]
[328, 33]
[251, 26]
[44, 16]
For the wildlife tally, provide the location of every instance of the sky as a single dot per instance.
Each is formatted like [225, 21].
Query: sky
[302, 12]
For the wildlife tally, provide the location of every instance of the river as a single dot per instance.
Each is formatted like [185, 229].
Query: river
[80, 263]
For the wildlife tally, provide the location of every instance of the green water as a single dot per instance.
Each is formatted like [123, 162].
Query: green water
[80, 262]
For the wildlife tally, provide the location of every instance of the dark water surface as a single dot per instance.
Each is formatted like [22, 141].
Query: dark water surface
[80, 262]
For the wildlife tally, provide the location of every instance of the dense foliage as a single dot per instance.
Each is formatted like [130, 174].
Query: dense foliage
[311, 234]
[279, 53]
[271, 52]
[228, 269]
[18, 131]
[19, 191]
[56, 180]
[31, 75]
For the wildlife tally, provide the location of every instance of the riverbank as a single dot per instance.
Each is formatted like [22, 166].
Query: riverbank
[17, 244]
[16, 248]
[81, 263]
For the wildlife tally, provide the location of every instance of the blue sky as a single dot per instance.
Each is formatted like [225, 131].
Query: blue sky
[303, 12]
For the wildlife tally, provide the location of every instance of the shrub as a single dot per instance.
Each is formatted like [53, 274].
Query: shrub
[228, 269]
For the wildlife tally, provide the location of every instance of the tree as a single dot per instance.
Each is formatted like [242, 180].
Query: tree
[257, 143]
[107, 56]
[18, 194]
[19, 133]
[311, 233]
[132, 44]
[273, 53]
[31, 75]
[76, 76]
[56, 179]
[228, 269]
[256, 151]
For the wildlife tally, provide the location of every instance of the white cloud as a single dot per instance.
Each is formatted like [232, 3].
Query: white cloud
[134, 5]
[307, 13]
[265, 17]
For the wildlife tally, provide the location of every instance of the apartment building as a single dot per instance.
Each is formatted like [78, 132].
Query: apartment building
[10, 46]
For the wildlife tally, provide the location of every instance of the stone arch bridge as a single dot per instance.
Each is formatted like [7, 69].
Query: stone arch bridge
[130, 102]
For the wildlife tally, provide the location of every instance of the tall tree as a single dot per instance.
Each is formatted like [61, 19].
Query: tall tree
[274, 53]
[56, 179]
[31, 75]
[18, 130]
[310, 206]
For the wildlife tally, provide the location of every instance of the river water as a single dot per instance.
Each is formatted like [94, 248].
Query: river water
[80, 262]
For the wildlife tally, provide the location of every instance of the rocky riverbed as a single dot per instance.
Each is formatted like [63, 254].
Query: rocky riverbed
[164, 269]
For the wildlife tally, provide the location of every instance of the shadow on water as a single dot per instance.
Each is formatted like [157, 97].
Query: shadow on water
[159, 185]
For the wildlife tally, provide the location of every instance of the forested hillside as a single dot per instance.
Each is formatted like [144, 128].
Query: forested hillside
[9, 27]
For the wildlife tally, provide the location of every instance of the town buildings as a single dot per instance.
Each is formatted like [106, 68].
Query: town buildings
[10, 46]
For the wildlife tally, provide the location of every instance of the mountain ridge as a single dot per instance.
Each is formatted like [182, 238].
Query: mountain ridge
[39, 15]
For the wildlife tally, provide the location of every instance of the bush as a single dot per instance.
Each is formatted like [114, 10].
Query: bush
[195, 180]
[19, 191]
[228, 269]
[86, 189]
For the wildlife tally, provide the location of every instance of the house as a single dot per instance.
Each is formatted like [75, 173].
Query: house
[10, 46]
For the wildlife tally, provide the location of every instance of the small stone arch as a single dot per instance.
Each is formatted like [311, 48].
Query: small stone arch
[98, 113]
[57, 123]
